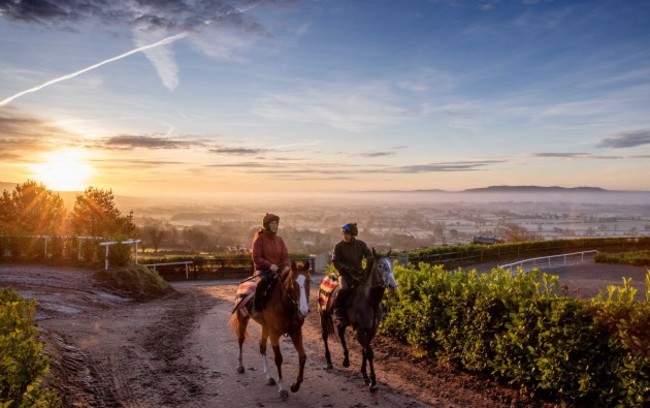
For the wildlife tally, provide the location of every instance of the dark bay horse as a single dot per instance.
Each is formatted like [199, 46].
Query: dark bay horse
[287, 306]
[363, 315]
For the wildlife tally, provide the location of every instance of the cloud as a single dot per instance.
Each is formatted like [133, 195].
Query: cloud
[236, 151]
[377, 154]
[627, 139]
[128, 142]
[217, 26]
[181, 15]
[20, 132]
[344, 169]
[352, 108]
[446, 167]
[575, 156]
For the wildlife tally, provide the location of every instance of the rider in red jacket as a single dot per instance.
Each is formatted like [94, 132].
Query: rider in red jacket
[270, 255]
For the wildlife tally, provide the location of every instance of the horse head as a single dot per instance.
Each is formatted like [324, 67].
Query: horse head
[384, 268]
[298, 285]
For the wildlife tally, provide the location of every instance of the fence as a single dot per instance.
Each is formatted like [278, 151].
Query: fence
[550, 261]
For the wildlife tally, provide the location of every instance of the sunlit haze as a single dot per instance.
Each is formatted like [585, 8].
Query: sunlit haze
[62, 170]
[336, 96]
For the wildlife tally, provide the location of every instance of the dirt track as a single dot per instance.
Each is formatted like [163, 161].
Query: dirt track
[108, 351]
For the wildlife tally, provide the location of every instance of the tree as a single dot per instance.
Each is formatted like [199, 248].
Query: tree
[31, 209]
[156, 235]
[516, 233]
[95, 214]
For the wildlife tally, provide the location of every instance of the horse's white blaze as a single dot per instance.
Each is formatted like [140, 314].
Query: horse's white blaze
[387, 274]
[303, 307]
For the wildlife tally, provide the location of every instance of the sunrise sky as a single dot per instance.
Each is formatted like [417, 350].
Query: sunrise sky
[182, 97]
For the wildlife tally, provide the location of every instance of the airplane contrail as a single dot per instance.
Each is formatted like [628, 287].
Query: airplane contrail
[99, 64]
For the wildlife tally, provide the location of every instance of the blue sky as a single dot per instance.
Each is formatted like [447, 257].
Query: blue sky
[284, 95]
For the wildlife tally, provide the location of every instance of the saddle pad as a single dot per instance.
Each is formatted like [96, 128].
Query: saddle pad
[245, 293]
[246, 287]
[327, 288]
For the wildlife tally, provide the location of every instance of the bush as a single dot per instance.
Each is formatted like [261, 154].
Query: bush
[524, 331]
[135, 281]
[637, 258]
[21, 361]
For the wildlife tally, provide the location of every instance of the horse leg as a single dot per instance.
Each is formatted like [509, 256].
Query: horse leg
[241, 335]
[265, 363]
[364, 372]
[324, 329]
[275, 343]
[346, 353]
[373, 380]
[296, 338]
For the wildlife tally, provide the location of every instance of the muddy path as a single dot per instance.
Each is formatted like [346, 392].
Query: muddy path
[178, 351]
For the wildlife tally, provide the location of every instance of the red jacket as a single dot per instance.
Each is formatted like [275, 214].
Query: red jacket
[269, 249]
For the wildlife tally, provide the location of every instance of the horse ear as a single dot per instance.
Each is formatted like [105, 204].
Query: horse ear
[293, 265]
[374, 253]
[390, 250]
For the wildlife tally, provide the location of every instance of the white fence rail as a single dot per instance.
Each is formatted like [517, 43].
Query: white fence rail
[186, 263]
[550, 261]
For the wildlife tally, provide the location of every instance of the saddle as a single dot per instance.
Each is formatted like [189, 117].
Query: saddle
[245, 297]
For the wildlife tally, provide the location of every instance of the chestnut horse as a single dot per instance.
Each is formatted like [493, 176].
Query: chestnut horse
[364, 314]
[287, 306]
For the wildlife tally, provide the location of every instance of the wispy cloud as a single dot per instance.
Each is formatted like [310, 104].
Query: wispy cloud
[445, 167]
[627, 139]
[162, 42]
[217, 26]
[353, 108]
[129, 142]
[23, 133]
[237, 151]
[377, 154]
[181, 15]
[574, 156]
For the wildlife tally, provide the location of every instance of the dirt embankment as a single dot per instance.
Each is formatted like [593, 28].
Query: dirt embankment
[111, 351]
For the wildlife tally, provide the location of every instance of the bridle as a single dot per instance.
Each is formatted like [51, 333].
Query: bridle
[381, 282]
[290, 283]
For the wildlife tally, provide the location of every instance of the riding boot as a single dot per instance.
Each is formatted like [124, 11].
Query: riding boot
[260, 294]
[341, 308]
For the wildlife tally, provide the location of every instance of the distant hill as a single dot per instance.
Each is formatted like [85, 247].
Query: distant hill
[536, 189]
[507, 189]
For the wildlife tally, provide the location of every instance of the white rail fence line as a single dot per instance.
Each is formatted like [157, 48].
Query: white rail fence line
[186, 263]
[528, 264]
[107, 245]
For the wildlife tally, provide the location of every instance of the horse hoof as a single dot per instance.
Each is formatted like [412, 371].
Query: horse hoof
[373, 387]
[346, 363]
[284, 394]
[295, 387]
[366, 381]
[270, 381]
[329, 366]
[241, 369]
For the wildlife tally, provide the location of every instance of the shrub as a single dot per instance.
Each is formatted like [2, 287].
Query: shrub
[523, 330]
[637, 258]
[21, 361]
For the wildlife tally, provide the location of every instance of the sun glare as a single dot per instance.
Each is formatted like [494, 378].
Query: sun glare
[63, 170]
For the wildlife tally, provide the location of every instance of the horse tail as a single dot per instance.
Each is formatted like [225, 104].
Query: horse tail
[235, 324]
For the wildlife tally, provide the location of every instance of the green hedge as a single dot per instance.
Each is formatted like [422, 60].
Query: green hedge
[21, 359]
[524, 331]
[637, 258]
[456, 255]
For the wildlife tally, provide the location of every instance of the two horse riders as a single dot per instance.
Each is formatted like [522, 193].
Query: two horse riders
[270, 257]
[349, 254]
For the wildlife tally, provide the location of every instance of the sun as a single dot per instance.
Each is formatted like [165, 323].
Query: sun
[63, 170]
